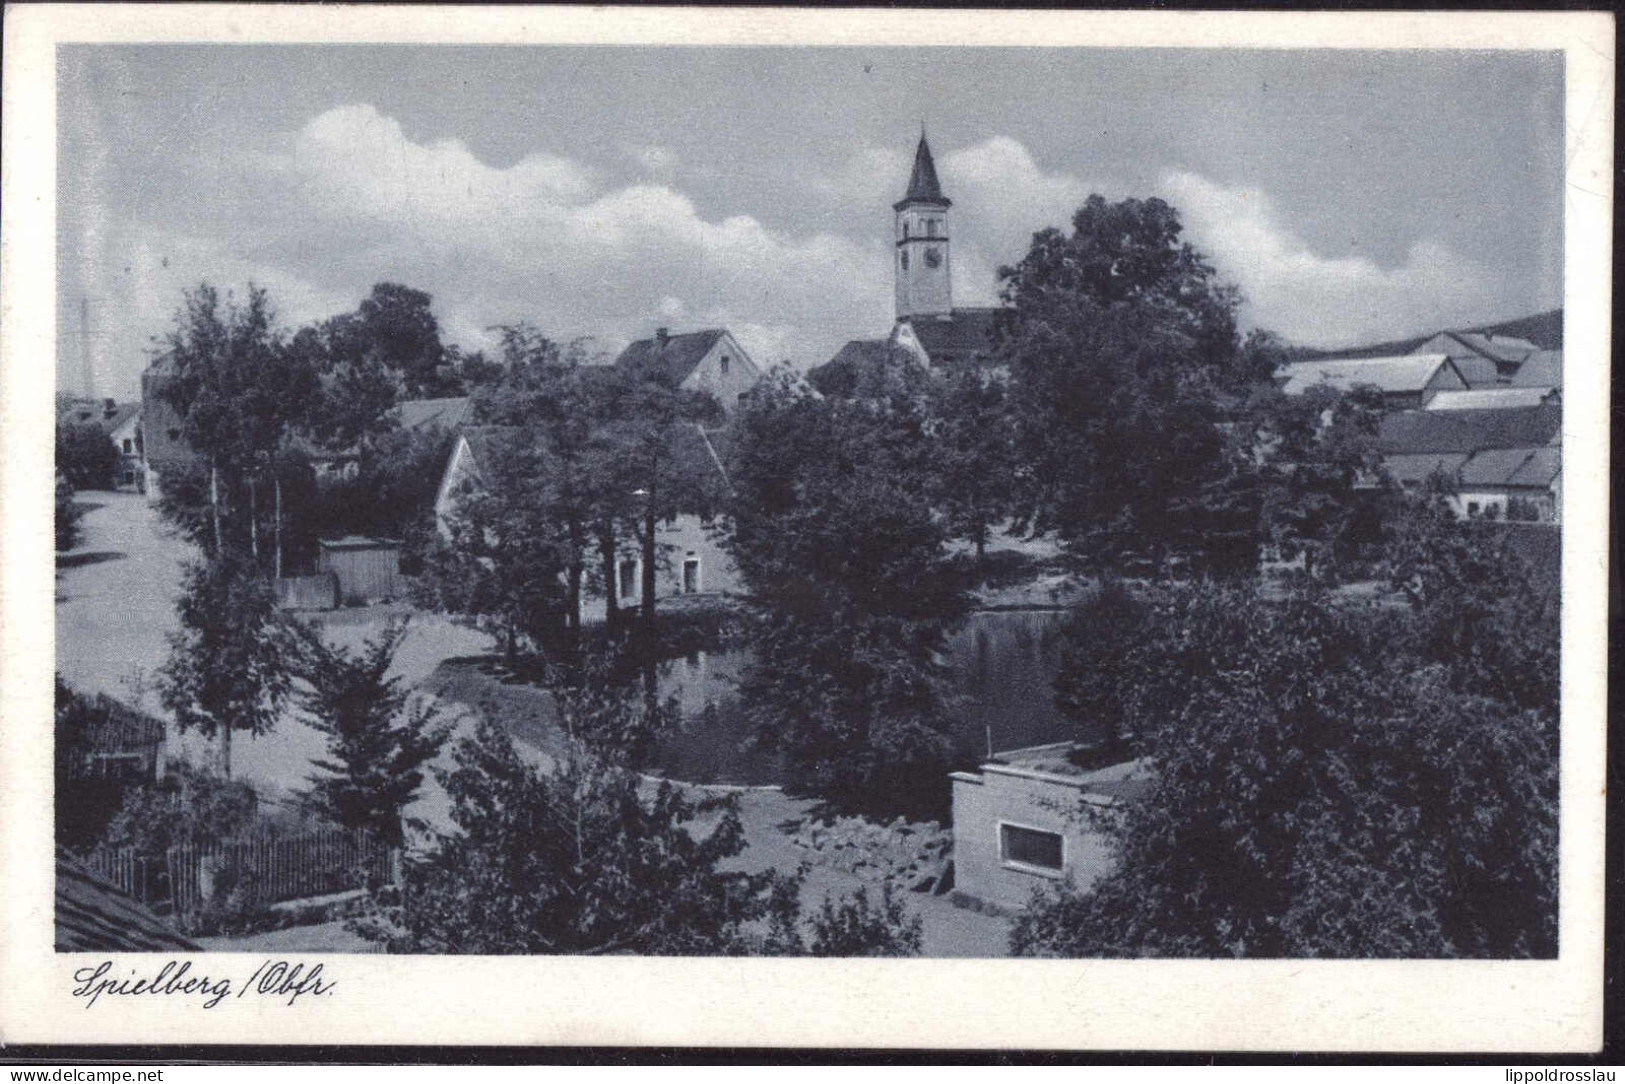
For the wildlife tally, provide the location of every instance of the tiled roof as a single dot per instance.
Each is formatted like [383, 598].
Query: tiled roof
[1542, 369]
[1400, 373]
[93, 916]
[1540, 469]
[965, 335]
[1418, 468]
[838, 377]
[675, 355]
[1488, 398]
[1503, 348]
[922, 182]
[1535, 467]
[448, 414]
[1479, 372]
[95, 412]
[1413, 432]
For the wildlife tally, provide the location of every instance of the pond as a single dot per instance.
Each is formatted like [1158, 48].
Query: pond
[1003, 662]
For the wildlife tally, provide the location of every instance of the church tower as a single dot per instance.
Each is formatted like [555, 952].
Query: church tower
[924, 273]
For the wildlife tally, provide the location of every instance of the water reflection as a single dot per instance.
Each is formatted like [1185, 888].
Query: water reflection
[1003, 663]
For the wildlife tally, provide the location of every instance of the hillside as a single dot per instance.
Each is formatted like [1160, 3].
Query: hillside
[1544, 329]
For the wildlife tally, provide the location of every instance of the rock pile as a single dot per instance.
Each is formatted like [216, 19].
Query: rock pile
[899, 851]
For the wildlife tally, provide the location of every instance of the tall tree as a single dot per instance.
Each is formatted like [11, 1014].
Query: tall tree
[377, 749]
[1321, 788]
[230, 663]
[1119, 337]
[974, 455]
[832, 528]
[394, 327]
[239, 391]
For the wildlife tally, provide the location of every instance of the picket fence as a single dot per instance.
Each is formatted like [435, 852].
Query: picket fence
[272, 869]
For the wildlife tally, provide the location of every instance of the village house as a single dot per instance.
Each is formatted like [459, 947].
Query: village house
[121, 421]
[1021, 821]
[710, 361]
[1483, 358]
[166, 451]
[1501, 463]
[1406, 381]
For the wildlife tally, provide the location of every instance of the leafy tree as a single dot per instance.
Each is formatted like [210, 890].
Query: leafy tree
[1120, 339]
[858, 927]
[188, 807]
[974, 456]
[1097, 648]
[357, 391]
[239, 391]
[229, 665]
[67, 516]
[1320, 790]
[506, 555]
[833, 531]
[85, 455]
[576, 861]
[394, 327]
[377, 749]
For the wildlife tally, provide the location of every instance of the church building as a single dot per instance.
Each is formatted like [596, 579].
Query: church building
[928, 326]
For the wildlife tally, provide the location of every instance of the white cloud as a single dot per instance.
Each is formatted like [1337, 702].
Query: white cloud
[1327, 300]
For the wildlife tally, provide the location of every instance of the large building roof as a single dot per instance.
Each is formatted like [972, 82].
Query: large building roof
[93, 916]
[1532, 467]
[449, 414]
[1414, 432]
[922, 182]
[1488, 398]
[1508, 349]
[675, 356]
[1542, 369]
[1418, 468]
[1396, 374]
[964, 335]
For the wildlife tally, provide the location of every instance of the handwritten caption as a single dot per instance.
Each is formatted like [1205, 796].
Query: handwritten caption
[273, 978]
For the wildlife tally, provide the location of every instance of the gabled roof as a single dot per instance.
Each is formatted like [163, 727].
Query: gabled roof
[1508, 349]
[448, 414]
[1542, 369]
[965, 334]
[1413, 432]
[93, 916]
[922, 182]
[673, 355]
[1488, 398]
[96, 412]
[1535, 467]
[1397, 374]
[1477, 371]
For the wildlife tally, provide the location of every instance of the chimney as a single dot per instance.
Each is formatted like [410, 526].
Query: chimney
[109, 407]
[661, 335]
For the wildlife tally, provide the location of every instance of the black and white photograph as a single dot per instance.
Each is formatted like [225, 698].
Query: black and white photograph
[814, 501]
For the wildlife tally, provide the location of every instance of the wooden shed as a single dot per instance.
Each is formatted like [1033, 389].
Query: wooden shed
[368, 569]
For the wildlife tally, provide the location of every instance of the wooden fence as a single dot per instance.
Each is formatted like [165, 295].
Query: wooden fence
[142, 877]
[274, 870]
[271, 869]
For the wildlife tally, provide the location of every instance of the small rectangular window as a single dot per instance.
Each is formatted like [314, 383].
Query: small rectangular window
[1030, 847]
[725, 365]
[129, 445]
[691, 575]
[629, 579]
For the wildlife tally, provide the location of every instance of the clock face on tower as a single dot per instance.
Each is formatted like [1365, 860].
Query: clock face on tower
[933, 258]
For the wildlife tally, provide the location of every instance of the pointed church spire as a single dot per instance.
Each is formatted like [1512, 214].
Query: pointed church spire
[922, 183]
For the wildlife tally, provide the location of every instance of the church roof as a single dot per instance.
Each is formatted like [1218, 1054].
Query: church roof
[965, 335]
[922, 183]
[675, 356]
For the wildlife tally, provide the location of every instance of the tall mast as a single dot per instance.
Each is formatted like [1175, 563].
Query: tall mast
[89, 375]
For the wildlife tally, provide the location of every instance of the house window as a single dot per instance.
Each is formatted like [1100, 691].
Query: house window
[628, 576]
[129, 446]
[691, 575]
[1029, 848]
[1472, 509]
[904, 258]
[725, 365]
[174, 434]
[930, 227]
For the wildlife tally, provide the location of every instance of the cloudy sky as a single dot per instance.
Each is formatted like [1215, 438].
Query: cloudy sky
[601, 191]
